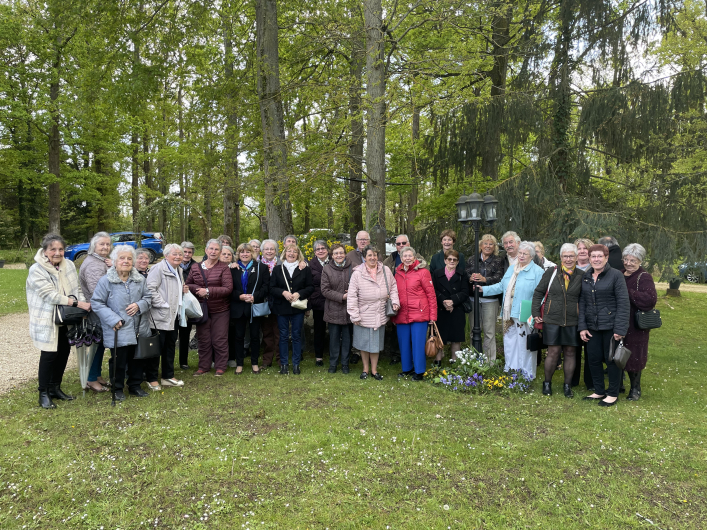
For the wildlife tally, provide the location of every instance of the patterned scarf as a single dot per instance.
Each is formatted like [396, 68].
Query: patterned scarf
[508, 298]
[567, 274]
[270, 264]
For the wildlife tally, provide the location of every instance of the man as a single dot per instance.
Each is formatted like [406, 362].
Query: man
[363, 239]
[289, 240]
[615, 258]
[510, 242]
[185, 333]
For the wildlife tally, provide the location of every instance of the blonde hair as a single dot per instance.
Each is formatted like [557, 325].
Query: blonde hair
[300, 254]
[489, 237]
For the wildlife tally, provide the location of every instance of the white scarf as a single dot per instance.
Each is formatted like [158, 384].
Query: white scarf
[290, 266]
[508, 298]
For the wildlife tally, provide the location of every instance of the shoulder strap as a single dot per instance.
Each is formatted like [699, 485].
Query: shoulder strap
[385, 276]
[201, 269]
[548, 285]
[285, 276]
[257, 276]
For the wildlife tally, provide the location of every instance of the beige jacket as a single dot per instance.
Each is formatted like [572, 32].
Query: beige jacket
[366, 298]
[164, 287]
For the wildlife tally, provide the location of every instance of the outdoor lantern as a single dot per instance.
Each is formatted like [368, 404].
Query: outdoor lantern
[462, 211]
[490, 203]
[474, 204]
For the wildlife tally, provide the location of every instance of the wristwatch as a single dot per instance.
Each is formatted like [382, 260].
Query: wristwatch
[207, 292]
[74, 302]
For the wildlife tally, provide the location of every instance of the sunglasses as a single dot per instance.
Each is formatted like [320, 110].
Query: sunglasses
[401, 244]
[452, 260]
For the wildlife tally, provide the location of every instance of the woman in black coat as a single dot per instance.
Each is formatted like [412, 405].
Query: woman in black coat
[288, 284]
[251, 285]
[316, 301]
[451, 286]
[603, 314]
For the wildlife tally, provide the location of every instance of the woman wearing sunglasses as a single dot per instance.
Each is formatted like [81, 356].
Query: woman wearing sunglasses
[451, 289]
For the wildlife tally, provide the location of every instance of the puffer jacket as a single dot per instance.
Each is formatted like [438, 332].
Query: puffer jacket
[335, 283]
[111, 298]
[393, 258]
[220, 285]
[366, 299]
[166, 293]
[561, 305]
[316, 300]
[418, 302]
[604, 304]
[92, 270]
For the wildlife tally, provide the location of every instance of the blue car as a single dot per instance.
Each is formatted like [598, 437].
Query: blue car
[693, 272]
[153, 242]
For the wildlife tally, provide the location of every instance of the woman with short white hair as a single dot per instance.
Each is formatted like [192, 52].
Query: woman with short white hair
[142, 261]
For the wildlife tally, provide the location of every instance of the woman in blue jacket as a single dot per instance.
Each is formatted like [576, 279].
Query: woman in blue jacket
[518, 284]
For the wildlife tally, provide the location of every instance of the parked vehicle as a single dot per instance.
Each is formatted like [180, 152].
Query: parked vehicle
[153, 242]
[695, 272]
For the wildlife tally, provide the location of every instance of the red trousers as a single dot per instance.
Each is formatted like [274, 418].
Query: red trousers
[271, 339]
[212, 336]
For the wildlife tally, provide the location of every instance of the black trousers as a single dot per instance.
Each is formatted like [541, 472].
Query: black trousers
[135, 368]
[184, 334]
[236, 338]
[168, 342]
[578, 367]
[319, 333]
[53, 363]
[339, 345]
[598, 353]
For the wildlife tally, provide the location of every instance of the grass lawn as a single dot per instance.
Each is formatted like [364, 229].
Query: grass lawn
[332, 451]
[13, 298]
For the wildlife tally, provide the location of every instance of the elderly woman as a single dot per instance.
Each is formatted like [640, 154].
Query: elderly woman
[559, 288]
[418, 307]
[451, 289]
[166, 285]
[604, 309]
[583, 245]
[491, 269]
[317, 300]
[289, 283]
[271, 333]
[142, 261]
[227, 256]
[540, 256]
[438, 261]
[122, 302]
[211, 281]
[93, 268]
[251, 285]
[517, 285]
[185, 332]
[336, 276]
[52, 281]
[255, 245]
[371, 284]
[643, 297]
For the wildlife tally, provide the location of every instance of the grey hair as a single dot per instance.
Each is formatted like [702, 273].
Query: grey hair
[271, 241]
[48, 239]
[608, 242]
[95, 239]
[122, 249]
[529, 246]
[406, 249]
[187, 244]
[568, 247]
[635, 250]
[208, 243]
[515, 236]
[233, 254]
[254, 240]
[171, 248]
[289, 236]
[321, 242]
[141, 251]
[402, 235]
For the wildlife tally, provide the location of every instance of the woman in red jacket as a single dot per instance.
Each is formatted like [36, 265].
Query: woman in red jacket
[418, 307]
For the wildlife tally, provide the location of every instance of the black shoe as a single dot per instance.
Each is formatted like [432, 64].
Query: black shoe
[119, 395]
[57, 393]
[395, 359]
[406, 374]
[345, 370]
[184, 366]
[607, 404]
[635, 392]
[587, 398]
[332, 370]
[269, 365]
[45, 401]
[295, 369]
[284, 369]
[319, 362]
[438, 364]
[377, 376]
[568, 390]
[354, 359]
[138, 392]
[364, 375]
[418, 377]
[547, 388]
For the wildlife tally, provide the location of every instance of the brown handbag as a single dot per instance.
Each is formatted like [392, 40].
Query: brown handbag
[434, 340]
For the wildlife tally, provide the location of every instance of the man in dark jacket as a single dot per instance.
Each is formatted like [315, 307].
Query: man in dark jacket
[616, 259]
[316, 301]
[185, 333]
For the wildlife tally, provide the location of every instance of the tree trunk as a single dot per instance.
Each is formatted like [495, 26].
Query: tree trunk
[231, 187]
[376, 114]
[55, 150]
[414, 173]
[355, 200]
[183, 218]
[149, 184]
[135, 184]
[277, 194]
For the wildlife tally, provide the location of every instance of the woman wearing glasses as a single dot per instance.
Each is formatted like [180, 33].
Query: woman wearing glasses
[451, 289]
[316, 300]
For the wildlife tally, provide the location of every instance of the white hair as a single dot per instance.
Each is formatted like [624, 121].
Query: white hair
[233, 254]
[95, 239]
[254, 241]
[529, 246]
[402, 235]
[515, 236]
[568, 247]
[208, 243]
[118, 250]
[635, 250]
[141, 251]
[407, 249]
[187, 244]
[171, 248]
[269, 241]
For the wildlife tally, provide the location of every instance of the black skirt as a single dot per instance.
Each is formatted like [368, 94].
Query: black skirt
[554, 335]
[451, 326]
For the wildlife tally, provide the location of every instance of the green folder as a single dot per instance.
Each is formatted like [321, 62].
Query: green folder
[525, 309]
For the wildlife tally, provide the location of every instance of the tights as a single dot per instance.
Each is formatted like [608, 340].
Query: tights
[553, 356]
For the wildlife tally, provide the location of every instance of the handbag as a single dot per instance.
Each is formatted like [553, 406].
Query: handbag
[389, 311]
[539, 325]
[646, 319]
[148, 346]
[468, 305]
[202, 303]
[262, 309]
[66, 315]
[297, 304]
[434, 340]
[534, 341]
[192, 308]
[619, 354]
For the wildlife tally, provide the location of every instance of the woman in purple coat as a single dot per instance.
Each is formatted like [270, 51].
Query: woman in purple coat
[643, 296]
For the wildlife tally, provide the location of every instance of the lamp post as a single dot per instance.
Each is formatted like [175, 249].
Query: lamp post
[469, 210]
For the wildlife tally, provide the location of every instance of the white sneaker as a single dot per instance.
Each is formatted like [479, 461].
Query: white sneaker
[172, 382]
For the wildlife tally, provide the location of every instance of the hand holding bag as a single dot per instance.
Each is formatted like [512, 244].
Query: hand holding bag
[619, 354]
[66, 315]
[297, 304]
[262, 309]
[389, 311]
[202, 303]
[148, 346]
[434, 341]
[192, 308]
[646, 319]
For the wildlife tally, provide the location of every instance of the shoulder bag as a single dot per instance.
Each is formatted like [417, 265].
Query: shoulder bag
[297, 304]
[66, 315]
[262, 309]
[148, 346]
[389, 311]
[539, 325]
[647, 319]
[434, 341]
[202, 303]
[619, 354]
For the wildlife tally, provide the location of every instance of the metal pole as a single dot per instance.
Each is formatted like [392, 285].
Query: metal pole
[476, 330]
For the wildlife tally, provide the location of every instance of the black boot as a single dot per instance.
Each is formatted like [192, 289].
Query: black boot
[57, 393]
[295, 369]
[283, 369]
[45, 401]
[438, 364]
[635, 392]
[547, 388]
[568, 390]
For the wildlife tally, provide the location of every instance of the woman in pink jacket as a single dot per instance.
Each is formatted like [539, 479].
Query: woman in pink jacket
[418, 307]
[370, 286]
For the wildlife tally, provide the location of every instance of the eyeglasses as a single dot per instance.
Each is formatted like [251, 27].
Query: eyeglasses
[452, 260]
[402, 244]
[362, 239]
[320, 248]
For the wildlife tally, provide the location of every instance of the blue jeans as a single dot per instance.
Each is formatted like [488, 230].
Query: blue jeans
[411, 338]
[95, 372]
[283, 323]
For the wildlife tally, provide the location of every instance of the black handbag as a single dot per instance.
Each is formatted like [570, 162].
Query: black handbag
[66, 315]
[468, 305]
[202, 303]
[148, 346]
[534, 342]
[646, 319]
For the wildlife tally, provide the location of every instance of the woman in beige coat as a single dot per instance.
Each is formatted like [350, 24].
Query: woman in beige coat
[370, 286]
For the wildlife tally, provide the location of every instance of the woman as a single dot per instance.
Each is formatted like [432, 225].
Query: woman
[288, 284]
[371, 284]
[142, 261]
[185, 332]
[448, 237]
[268, 325]
[52, 281]
[93, 268]
[418, 307]
[122, 302]
[517, 285]
[491, 269]
[227, 256]
[211, 281]
[583, 245]
[316, 301]
[559, 288]
[540, 256]
[604, 309]
[336, 276]
[251, 285]
[451, 289]
[166, 285]
[643, 297]
[255, 245]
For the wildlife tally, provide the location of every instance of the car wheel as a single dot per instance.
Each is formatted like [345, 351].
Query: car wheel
[694, 277]
[153, 256]
[79, 257]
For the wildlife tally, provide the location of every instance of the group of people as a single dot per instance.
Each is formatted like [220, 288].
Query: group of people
[251, 295]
